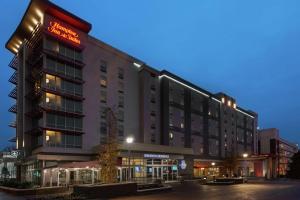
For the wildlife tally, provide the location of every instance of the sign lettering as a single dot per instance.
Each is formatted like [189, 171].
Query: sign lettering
[64, 32]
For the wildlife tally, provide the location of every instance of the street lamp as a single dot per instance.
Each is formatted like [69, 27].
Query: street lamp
[245, 155]
[129, 140]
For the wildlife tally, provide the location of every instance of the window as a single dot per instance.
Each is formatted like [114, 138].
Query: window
[103, 96]
[70, 71]
[121, 115]
[63, 69]
[63, 122]
[121, 73]
[121, 87]
[50, 120]
[103, 82]
[121, 101]
[171, 136]
[121, 130]
[103, 112]
[103, 66]
[103, 128]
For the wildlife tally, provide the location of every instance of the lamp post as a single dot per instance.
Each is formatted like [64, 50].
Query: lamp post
[129, 140]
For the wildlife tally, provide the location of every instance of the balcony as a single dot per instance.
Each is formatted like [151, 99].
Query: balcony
[74, 94]
[13, 93]
[14, 78]
[52, 107]
[13, 109]
[13, 124]
[14, 63]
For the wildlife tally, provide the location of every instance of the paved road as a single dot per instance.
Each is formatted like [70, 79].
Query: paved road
[250, 191]
[279, 190]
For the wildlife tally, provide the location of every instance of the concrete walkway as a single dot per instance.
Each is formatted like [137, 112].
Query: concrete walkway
[5, 196]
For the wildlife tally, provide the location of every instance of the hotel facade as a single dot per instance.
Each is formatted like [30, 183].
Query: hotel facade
[65, 80]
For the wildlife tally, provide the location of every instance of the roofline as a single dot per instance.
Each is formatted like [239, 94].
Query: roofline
[50, 8]
[202, 91]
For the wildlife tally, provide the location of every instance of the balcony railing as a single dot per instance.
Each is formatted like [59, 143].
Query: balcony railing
[14, 63]
[13, 124]
[62, 90]
[13, 109]
[53, 106]
[14, 78]
[13, 93]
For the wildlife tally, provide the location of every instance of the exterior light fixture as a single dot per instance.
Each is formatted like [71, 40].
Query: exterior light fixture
[129, 140]
[213, 163]
[223, 100]
[30, 28]
[229, 103]
[245, 155]
[137, 65]
[234, 105]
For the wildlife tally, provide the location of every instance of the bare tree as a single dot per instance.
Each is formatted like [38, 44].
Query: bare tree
[108, 154]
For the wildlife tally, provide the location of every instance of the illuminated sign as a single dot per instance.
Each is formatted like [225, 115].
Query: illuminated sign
[64, 32]
[183, 164]
[156, 156]
[12, 154]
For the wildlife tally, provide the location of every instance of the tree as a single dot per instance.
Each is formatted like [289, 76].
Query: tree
[294, 166]
[108, 154]
[230, 164]
[4, 172]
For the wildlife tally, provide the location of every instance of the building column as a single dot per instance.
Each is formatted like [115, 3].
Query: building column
[76, 176]
[58, 177]
[67, 177]
[51, 178]
[93, 176]
[43, 175]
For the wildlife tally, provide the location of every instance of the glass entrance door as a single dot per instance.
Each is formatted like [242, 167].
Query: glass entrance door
[157, 172]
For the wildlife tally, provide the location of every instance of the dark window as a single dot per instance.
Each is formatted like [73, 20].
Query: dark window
[103, 66]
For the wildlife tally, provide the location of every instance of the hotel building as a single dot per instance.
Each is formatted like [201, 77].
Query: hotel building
[278, 151]
[65, 80]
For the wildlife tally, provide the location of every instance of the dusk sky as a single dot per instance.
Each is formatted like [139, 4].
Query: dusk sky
[248, 49]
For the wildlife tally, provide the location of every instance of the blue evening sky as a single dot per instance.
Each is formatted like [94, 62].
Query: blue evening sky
[247, 49]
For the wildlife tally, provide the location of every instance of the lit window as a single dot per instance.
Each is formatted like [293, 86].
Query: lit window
[47, 99]
[103, 82]
[182, 125]
[234, 105]
[171, 135]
